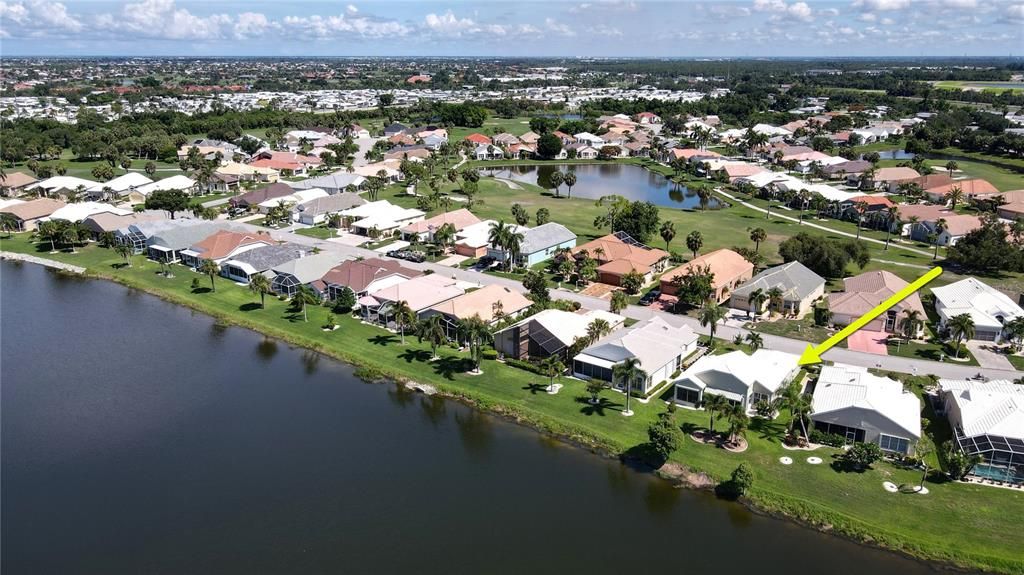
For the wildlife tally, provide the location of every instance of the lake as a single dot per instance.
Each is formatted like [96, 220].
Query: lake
[140, 437]
[594, 181]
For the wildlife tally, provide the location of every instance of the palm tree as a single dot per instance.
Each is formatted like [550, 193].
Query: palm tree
[627, 372]
[668, 232]
[758, 235]
[910, 323]
[755, 341]
[757, 299]
[794, 400]
[125, 252]
[570, 181]
[404, 316]
[710, 314]
[894, 219]
[260, 285]
[694, 241]
[475, 331]
[951, 166]
[498, 235]
[304, 296]
[552, 367]
[433, 331]
[514, 245]
[961, 327]
[738, 421]
[940, 227]
[210, 268]
[1015, 329]
[704, 196]
[556, 180]
[714, 404]
[776, 299]
[8, 223]
[598, 329]
[955, 195]
[51, 231]
[444, 236]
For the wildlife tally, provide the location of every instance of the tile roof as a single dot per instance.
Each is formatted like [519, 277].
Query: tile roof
[725, 265]
[16, 180]
[459, 219]
[865, 291]
[970, 188]
[220, 244]
[33, 209]
[359, 274]
[483, 302]
[613, 248]
[794, 279]
[895, 174]
[275, 190]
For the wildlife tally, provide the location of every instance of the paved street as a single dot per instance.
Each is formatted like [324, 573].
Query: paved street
[893, 363]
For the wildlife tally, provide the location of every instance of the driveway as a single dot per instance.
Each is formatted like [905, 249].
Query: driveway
[987, 356]
[868, 342]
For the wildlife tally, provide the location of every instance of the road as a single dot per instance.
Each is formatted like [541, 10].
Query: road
[728, 332]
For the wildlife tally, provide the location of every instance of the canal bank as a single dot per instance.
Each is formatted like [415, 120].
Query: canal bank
[801, 493]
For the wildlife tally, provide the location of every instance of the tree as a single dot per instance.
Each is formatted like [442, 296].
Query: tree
[552, 367]
[556, 179]
[260, 285]
[826, 257]
[570, 181]
[171, 201]
[922, 450]
[150, 168]
[618, 302]
[124, 252]
[861, 455]
[714, 405]
[632, 281]
[594, 388]
[404, 316]
[664, 437]
[703, 196]
[951, 166]
[758, 235]
[961, 327]
[345, 301]
[210, 268]
[668, 232]
[798, 405]
[694, 241]
[910, 323]
[444, 236]
[959, 464]
[543, 216]
[757, 299]
[8, 223]
[954, 196]
[535, 282]
[549, 146]
[51, 231]
[597, 329]
[474, 330]
[695, 286]
[520, 215]
[432, 330]
[709, 315]
[638, 219]
[626, 373]
[755, 341]
[103, 172]
[742, 479]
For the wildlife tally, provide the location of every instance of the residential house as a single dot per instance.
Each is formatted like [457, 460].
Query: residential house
[729, 269]
[849, 168]
[863, 293]
[583, 151]
[589, 139]
[799, 287]
[292, 199]
[165, 240]
[922, 213]
[79, 211]
[648, 118]
[355, 131]
[478, 140]
[423, 230]
[305, 271]
[973, 188]
[1011, 211]
[29, 214]
[258, 196]
[659, 346]
[174, 183]
[529, 138]
[419, 293]
[492, 303]
[487, 152]
[317, 210]
[375, 219]
[365, 276]
[538, 244]
[285, 162]
[60, 186]
[223, 183]
[104, 222]
[505, 139]
[618, 255]
[118, 187]
[243, 266]
[889, 179]
[864, 408]
[248, 173]
[394, 129]
[990, 308]
[550, 332]
[955, 226]
[988, 420]
[335, 183]
[222, 245]
[14, 183]
[739, 378]
[472, 241]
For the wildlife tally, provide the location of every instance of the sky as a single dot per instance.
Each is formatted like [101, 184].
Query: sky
[594, 28]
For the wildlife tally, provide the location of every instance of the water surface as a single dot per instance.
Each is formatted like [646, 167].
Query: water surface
[140, 437]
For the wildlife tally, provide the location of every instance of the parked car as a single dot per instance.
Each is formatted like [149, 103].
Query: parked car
[649, 297]
[408, 255]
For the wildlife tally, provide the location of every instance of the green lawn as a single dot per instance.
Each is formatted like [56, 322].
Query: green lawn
[986, 532]
[1002, 178]
[1017, 361]
[515, 126]
[319, 232]
[83, 168]
[930, 350]
[803, 328]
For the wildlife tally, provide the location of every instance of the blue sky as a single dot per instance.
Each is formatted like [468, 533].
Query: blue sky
[748, 28]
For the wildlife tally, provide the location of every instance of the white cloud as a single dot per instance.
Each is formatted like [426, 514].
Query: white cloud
[449, 23]
[881, 5]
[37, 18]
[1014, 13]
[960, 3]
[558, 28]
[162, 19]
[868, 17]
[346, 25]
[351, 9]
[779, 9]
[252, 25]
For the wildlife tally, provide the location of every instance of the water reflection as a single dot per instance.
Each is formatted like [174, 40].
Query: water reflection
[476, 431]
[310, 361]
[217, 330]
[266, 349]
[401, 395]
[661, 497]
[434, 409]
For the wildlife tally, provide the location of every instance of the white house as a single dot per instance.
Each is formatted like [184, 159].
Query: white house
[859, 406]
[659, 346]
[119, 186]
[988, 307]
[550, 332]
[81, 210]
[589, 139]
[740, 378]
[380, 217]
[179, 182]
[988, 420]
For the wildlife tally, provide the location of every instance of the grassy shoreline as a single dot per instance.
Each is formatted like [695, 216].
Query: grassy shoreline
[852, 505]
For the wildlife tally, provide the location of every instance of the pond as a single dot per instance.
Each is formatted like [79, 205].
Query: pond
[141, 437]
[594, 181]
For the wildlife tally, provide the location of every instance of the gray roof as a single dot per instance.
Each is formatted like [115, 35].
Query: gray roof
[267, 257]
[335, 181]
[794, 279]
[545, 236]
[850, 167]
[330, 204]
[311, 267]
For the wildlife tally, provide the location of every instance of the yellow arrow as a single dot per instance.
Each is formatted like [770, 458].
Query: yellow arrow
[813, 354]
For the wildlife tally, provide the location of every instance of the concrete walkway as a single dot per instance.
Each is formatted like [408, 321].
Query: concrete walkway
[892, 244]
[42, 261]
[727, 332]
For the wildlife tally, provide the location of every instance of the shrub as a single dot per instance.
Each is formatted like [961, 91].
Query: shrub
[664, 437]
[830, 439]
[489, 354]
[862, 455]
[742, 479]
[524, 365]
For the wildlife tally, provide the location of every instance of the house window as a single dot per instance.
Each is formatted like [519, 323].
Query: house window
[756, 397]
[684, 395]
[890, 443]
